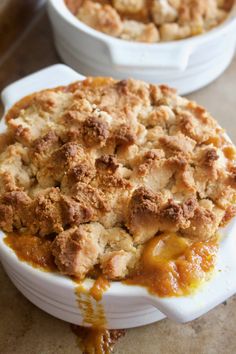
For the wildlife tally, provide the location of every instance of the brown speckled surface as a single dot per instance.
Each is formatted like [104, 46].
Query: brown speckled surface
[24, 329]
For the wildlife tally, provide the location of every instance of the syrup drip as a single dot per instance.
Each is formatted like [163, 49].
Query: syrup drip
[96, 338]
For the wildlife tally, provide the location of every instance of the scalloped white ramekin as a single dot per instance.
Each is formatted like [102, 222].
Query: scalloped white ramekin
[187, 64]
[124, 306]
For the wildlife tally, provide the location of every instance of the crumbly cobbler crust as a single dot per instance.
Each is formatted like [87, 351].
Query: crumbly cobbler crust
[151, 21]
[102, 166]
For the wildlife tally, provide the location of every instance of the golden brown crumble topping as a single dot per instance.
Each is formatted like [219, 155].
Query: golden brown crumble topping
[151, 21]
[101, 167]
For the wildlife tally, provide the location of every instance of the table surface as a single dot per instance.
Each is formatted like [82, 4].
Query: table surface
[24, 329]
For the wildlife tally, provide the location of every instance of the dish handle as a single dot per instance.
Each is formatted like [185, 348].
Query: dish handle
[55, 75]
[164, 57]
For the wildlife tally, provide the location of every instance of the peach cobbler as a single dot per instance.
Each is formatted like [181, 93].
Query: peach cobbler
[151, 21]
[120, 179]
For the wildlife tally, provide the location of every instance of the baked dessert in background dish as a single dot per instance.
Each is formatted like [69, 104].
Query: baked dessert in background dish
[122, 179]
[151, 21]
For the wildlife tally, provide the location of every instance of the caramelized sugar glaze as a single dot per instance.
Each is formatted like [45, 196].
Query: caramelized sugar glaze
[170, 265]
[33, 250]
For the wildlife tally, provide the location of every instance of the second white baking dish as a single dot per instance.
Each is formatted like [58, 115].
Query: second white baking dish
[186, 64]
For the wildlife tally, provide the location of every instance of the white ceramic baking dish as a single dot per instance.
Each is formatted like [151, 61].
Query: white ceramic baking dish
[186, 64]
[124, 306]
